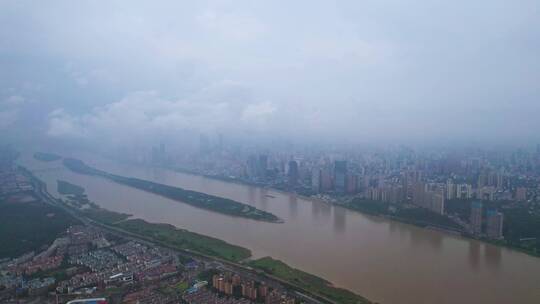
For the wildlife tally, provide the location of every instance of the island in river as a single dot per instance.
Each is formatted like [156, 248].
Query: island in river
[68, 188]
[196, 199]
[166, 235]
[46, 157]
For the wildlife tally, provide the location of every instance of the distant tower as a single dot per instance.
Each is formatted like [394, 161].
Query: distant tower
[437, 204]
[252, 167]
[316, 180]
[352, 181]
[162, 149]
[220, 142]
[262, 166]
[450, 190]
[204, 144]
[476, 217]
[293, 173]
[494, 229]
[326, 179]
[340, 175]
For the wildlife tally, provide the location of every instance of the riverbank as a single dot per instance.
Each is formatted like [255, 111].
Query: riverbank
[412, 217]
[307, 281]
[193, 242]
[28, 226]
[206, 247]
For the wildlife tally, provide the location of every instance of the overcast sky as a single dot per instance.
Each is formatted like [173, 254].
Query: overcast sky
[357, 71]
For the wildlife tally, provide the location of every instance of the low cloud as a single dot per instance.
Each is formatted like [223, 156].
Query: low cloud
[13, 100]
[385, 71]
[8, 118]
[146, 114]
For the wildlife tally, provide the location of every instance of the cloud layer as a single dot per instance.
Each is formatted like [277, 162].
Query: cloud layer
[364, 71]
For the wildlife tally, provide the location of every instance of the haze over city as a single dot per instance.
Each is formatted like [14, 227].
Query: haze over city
[411, 72]
[269, 152]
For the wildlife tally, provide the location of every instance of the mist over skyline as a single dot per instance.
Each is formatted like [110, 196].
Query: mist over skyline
[123, 73]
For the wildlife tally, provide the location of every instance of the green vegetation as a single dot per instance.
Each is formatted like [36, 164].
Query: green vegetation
[163, 233]
[46, 157]
[424, 217]
[181, 287]
[69, 188]
[58, 273]
[168, 235]
[196, 199]
[369, 206]
[28, 226]
[176, 289]
[416, 216]
[306, 281]
[522, 230]
[186, 240]
[206, 275]
[105, 216]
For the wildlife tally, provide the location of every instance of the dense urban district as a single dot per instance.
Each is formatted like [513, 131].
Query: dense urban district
[58, 250]
[492, 195]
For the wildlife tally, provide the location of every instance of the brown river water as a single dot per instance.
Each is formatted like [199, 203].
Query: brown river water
[383, 260]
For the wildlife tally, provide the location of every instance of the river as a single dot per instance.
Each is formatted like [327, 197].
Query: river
[383, 260]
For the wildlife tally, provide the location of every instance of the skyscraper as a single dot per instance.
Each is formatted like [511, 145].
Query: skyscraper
[450, 190]
[419, 194]
[340, 175]
[464, 191]
[521, 194]
[252, 167]
[476, 218]
[352, 180]
[326, 179]
[204, 144]
[262, 166]
[293, 173]
[316, 180]
[494, 229]
[437, 203]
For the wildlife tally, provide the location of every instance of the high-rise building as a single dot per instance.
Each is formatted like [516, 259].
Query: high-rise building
[476, 217]
[263, 290]
[521, 194]
[249, 290]
[262, 166]
[450, 190]
[500, 181]
[351, 183]
[482, 180]
[316, 180]
[340, 175]
[293, 172]
[220, 142]
[326, 180]
[162, 148]
[204, 144]
[494, 221]
[437, 203]
[464, 191]
[486, 193]
[418, 194]
[252, 167]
